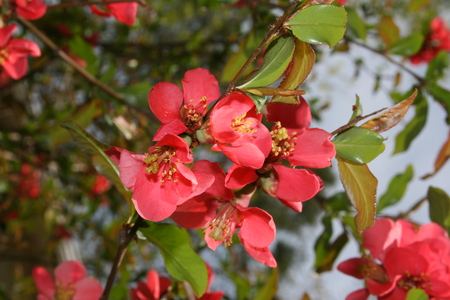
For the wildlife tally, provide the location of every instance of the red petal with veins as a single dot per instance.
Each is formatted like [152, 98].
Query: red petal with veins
[290, 116]
[258, 228]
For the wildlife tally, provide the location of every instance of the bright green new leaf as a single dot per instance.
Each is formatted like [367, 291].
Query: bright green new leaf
[302, 63]
[409, 45]
[413, 128]
[319, 24]
[276, 59]
[439, 207]
[416, 5]
[260, 102]
[102, 163]
[388, 31]
[416, 294]
[396, 189]
[357, 109]
[437, 66]
[83, 50]
[355, 24]
[359, 145]
[361, 188]
[270, 288]
[180, 259]
[442, 96]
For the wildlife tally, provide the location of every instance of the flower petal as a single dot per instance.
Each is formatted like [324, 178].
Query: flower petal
[239, 176]
[262, 255]
[174, 127]
[290, 116]
[6, 33]
[258, 228]
[130, 166]
[70, 272]
[165, 100]
[199, 83]
[88, 289]
[124, 12]
[44, 282]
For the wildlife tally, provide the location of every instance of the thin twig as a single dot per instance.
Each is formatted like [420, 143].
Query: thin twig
[83, 3]
[382, 53]
[125, 238]
[354, 121]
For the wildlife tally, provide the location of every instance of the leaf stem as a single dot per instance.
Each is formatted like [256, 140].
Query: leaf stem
[125, 237]
[82, 3]
[354, 121]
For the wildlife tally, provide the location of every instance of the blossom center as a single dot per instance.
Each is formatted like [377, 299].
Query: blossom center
[409, 281]
[282, 143]
[242, 125]
[161, 158]
[3, 55]
[224, 224]
[64, 292]
[193, 113]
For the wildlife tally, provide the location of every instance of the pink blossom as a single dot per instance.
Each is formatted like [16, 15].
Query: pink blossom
[71, 283]
[14, 52]
[123, 12]
[159, 179]
[183, 110]
[153, 289]
[30, 9]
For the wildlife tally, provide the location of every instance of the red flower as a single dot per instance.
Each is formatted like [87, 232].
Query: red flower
[166, 100]
[341, 2]
[257, 229]
[402, 258]
[238, 131]
[31, 9]
[100, 185]
[14, 52]
[153, 289]
[437, 40]
[294, 141]
[123, 12]
[159, 179]
[29, 185]
[71, 283]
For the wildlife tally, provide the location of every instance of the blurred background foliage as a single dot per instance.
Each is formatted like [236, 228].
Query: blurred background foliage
[55, 207]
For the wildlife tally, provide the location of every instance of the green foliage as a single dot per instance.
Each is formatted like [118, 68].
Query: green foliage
[180, 259]
[416, 5]
[439, 207]
[270, 288]
[436, 67]
[409, 45]
[442, 96]
[388, 31]
[355, 24]
[84, 51]
[416, 294]
[396, 189]
[319, 24]
[359, 145]
[276, 59]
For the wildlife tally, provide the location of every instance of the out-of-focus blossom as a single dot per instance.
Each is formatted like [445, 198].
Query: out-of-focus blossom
[29, 9]
[153, 289]
[437, 40]
[101, 185]
[402, 257]
[70, 283]
[341, 2]
[123, 12]
[14, 52]
[183, 110]
[29, 182]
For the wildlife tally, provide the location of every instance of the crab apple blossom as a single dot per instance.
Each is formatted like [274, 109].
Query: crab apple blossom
[159, 179]
[183, 110]
[437, 40]
[14, 52]
[123, 12]
[153, 289]
[71, 283]
[401, 258]
[30, 9]
[238, 131]
[294, 141]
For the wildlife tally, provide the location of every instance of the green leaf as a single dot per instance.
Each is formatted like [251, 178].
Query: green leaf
[439, 207]
[102, 163]
[409, 45]
[416, 5]
[322, 245]
[361, 188]
[388, 31]
[359, 145]
[260, 101]
[442, 96]
[180, 259]
[355, 24]
[302, 63]
[396, 189]
[333, 252]
[416, 294]
[270, 288]
[276, 59]
[83, 50]
[136, 94]
[319, 24]
[437, 66]
[357, 109]
[413, 128]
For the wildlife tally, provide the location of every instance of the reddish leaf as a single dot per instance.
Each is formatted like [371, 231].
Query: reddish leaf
[390, 117]
[302, 63]
[269, 91]
[388, 31]
[361, 188]
[441, 159]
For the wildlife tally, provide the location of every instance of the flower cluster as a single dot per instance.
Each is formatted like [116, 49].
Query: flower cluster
[401, 257]
[203, 195]
[437, 40]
